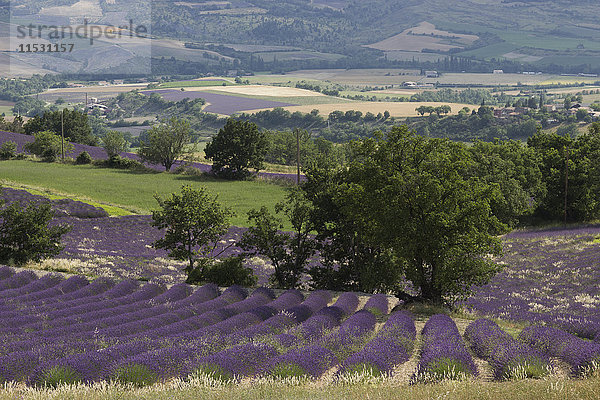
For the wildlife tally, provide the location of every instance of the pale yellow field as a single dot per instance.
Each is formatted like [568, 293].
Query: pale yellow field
[573, 90]
[396, 109]
[83, 8]
[417, 39]
[258, 90]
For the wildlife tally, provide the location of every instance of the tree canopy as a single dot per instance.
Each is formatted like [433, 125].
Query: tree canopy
[194, 222]
[166, 143]
[238, 146]
[413, 207]
[76, 125]
[25, 234]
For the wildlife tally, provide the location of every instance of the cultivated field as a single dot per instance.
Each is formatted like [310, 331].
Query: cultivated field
[77, 95]
[88, 8]
[424, 36]
[384, 77]
[355, 77]
[396, 109]
[260, 343]
[268, 91]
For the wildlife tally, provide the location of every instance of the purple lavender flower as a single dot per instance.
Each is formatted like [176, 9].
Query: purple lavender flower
[238, 361]
[377, 304]
[6, 272]
[508, 357]
[582, 355]
[307, 361]
[443, 354]
[392, 346]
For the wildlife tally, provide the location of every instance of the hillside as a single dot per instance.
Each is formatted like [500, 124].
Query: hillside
[255, 35]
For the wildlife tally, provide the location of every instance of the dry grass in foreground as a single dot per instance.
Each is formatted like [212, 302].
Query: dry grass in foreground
[204, 388]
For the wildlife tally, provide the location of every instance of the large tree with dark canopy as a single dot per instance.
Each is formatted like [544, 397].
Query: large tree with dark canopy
[414, 205]
[238, 146]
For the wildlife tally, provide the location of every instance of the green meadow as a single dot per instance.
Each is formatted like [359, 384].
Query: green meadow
[125, 191]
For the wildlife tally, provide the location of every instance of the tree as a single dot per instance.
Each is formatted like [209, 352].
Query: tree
[515, 170]
[8, 150]
[567, 102]
[581, 114]
[48, 146]
[414, 199]
[75, 123]
[570, 170]
[166, 143]
[238, 146]
[427, 109]
[194, 223]
[532, 103]
[349, 262]
[289, 253]
[25, 234]
[114, 143]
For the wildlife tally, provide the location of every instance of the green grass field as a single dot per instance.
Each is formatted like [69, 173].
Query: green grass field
[134, 191]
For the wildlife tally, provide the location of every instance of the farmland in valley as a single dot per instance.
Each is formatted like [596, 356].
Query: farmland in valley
[219, 103]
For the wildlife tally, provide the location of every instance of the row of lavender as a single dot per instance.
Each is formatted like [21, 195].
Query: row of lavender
[98, 153]
[66, 330]
[62, 330]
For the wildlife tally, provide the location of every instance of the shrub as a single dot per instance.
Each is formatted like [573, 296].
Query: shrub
[136, 374]
[83, 158]
[58, 375]
[125, 163]
[8, 150]
[26, 234]
[48, 146]
[225, 272]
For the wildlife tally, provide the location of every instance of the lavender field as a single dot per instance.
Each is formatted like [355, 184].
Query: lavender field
[57, 330]
[550, 276]
[124, 314]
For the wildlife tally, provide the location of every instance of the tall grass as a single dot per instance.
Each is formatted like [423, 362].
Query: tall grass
[207, 388]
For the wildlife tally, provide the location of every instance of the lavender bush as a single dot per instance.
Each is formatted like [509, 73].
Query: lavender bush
[507, 357]
[392, 346]
[583, 356]
[443, 355]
